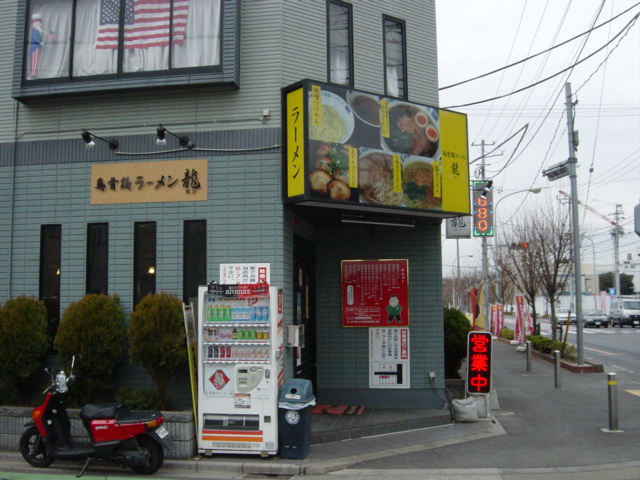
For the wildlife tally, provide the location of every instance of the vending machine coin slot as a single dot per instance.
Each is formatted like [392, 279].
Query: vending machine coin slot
[248, 378]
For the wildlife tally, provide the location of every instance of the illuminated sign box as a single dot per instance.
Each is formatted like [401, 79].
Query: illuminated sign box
[479, 362]
[355, 150]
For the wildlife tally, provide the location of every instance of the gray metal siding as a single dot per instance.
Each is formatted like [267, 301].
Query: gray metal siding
[244, 217]
[345, 351]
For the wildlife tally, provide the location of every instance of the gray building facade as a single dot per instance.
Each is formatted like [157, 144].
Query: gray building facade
[59, 243]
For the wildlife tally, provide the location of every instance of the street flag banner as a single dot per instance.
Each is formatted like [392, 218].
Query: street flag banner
[492, 319]
[519, 334]
[528, 320]
[473, 301]
[499, 318]
[480, 321]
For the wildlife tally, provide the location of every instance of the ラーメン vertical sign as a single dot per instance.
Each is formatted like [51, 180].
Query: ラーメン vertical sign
[295, 143]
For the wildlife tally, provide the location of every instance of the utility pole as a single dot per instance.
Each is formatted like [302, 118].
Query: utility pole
[572, 137]
[485, 257]
[616, 231]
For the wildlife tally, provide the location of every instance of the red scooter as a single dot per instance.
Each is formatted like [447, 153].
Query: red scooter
[129, 439]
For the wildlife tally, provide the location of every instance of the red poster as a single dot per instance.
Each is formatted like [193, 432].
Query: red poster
[375, 293]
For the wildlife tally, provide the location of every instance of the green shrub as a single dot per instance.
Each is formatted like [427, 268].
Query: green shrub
[548, 346]
[456, 329]
[24, 341]
[93, 329]
[158, 340]
[507, 333]
[139, 398]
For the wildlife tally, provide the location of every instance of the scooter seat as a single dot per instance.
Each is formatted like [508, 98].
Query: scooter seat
[100, 411]
[126, 416]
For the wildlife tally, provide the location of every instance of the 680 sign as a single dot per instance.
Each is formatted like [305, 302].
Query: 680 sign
[482, 210]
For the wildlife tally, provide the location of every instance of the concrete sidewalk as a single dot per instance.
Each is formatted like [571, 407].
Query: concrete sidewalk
[538, 431]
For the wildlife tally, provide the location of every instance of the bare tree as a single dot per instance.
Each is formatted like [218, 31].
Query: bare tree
[551, 230]
[519, 261]
[538, 257]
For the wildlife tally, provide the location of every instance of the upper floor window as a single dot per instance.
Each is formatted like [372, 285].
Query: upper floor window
[340, 43]
[81, 38]
[395, 58]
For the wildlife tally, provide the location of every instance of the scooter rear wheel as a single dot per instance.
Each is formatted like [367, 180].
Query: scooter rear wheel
[34, 450]
[156, 456]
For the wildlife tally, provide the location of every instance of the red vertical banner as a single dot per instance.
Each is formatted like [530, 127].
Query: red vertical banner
[519, 333]
[479, 362]
[493, 324]
[499, 318]
[375, 293]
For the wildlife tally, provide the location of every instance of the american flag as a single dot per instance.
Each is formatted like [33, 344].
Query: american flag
[146, 23]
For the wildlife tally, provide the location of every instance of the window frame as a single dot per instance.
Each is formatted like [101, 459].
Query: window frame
[97, 265]
[194, 267]
[225, 76]
[349, 7]
[50, 261]
[404, 94]
[145, 255]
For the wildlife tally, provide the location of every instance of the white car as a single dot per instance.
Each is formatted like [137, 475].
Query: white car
[562, 314]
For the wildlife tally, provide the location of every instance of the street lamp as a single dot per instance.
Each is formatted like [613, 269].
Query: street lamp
[453, 288]
[495, 223]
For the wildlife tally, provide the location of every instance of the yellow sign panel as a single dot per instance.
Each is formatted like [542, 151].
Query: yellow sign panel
[295, 143]
[366, 150]
[455, 162]
[147, 182]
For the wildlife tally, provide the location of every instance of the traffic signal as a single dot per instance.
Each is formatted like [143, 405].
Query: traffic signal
[519, 246]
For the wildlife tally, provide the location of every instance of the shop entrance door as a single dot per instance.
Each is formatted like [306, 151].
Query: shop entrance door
[304, 308]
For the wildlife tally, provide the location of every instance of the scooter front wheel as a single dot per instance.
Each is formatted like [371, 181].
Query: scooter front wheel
[155, 456]
[34, 450]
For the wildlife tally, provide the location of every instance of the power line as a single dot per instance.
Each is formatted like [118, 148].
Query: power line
[539, 53]
[622, 32]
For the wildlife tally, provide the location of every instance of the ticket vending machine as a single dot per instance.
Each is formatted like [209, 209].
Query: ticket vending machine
[240, 336]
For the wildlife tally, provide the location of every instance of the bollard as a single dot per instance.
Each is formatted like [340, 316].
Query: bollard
[556, 366]
[528, 355]
[613, 401]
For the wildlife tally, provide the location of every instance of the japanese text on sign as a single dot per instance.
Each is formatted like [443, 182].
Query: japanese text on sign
[375, 293]
[479, 361]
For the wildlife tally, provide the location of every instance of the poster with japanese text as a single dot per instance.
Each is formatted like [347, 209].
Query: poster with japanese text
[246, 273]
[375, 293]
[389, 359]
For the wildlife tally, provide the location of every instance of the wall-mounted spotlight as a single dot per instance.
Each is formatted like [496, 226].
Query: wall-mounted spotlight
[89, 143]
[182, 139]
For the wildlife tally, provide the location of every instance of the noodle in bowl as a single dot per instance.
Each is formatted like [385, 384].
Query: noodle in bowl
[417, 185]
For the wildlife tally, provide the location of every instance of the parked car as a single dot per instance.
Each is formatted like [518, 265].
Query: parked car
[594, 317]
[624, 312]
[562, 314]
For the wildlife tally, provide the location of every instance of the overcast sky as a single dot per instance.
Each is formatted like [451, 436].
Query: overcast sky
[476, 37]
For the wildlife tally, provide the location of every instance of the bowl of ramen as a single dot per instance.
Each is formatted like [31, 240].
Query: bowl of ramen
[418, 184]
[335, 119]
[330, 175]
[413, 130]
[375, 179]
[366, 107]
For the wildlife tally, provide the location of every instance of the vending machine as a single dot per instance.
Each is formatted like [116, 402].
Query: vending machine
[240, 368]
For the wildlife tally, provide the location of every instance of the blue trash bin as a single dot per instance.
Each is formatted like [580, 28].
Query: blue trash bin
[294, 418]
